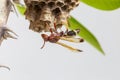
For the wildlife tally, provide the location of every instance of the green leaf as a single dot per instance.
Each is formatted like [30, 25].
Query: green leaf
[85, 34]
[103, 4]
[21, 8]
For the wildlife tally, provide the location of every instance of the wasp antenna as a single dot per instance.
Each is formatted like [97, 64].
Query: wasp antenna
[69, 47]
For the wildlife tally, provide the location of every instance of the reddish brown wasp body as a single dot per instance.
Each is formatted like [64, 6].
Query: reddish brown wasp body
[55, 36]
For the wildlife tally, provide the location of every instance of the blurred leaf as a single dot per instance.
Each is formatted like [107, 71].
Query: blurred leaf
[21, 8]
[85, 34]
[103, 4]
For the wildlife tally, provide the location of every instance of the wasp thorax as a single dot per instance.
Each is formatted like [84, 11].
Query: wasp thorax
[43, 14]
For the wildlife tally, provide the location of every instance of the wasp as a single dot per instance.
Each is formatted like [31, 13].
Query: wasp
[56, 36]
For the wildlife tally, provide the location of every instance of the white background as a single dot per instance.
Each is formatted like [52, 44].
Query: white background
[28, 62]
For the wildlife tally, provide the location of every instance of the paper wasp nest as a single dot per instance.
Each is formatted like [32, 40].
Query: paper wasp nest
[43, 14]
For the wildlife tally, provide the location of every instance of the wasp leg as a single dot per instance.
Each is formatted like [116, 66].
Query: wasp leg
[45, 38]
[72, 39]
[2, 66]
[43, 45]
[5, 33]
[69, 47]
